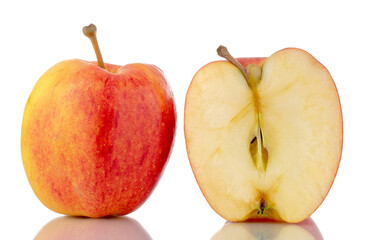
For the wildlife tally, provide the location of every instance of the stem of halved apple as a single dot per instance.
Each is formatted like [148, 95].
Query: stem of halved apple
[90, 32]
[252, 74]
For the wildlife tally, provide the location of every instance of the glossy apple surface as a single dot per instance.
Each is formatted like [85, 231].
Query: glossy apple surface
[94, 141]
[267, 151]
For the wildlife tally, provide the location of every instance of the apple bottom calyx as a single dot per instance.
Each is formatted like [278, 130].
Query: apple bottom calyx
[262, 208]
[266, 210]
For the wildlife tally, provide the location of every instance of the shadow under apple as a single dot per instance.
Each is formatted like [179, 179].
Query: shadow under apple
[269, 230]
[93, 228]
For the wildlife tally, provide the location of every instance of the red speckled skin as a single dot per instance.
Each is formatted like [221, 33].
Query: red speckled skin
[95, 142]
[259, 61]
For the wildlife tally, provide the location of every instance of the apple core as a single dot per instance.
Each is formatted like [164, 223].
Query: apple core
[252, 74]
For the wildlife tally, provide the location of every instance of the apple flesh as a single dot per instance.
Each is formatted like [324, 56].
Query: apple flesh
[267, 151]
[95, 141]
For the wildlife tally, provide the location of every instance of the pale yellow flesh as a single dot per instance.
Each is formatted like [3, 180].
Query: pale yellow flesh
[302, 131]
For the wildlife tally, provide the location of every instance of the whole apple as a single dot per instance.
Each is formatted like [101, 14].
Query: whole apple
[264, 135]
[96, 137]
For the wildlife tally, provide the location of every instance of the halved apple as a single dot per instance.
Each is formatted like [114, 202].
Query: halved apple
[264, 136]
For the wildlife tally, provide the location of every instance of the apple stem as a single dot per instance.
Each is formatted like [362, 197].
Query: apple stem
[90, 32]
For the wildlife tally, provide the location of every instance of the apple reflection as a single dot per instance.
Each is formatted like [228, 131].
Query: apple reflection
[269, 230]
[93, 228]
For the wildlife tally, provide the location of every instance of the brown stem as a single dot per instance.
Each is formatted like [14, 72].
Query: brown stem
[223, 52]
[90, 32]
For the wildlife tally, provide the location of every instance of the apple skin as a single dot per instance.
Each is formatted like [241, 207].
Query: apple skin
[95, 142]
[105, 228]
[259, 61]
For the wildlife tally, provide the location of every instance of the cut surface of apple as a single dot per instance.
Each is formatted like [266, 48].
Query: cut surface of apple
[270, 150]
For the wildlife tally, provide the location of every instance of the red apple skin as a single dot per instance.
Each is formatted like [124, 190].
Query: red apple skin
[259, 61]
[94, 141]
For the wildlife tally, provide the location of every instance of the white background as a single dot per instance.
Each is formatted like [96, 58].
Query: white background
[180, 37]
